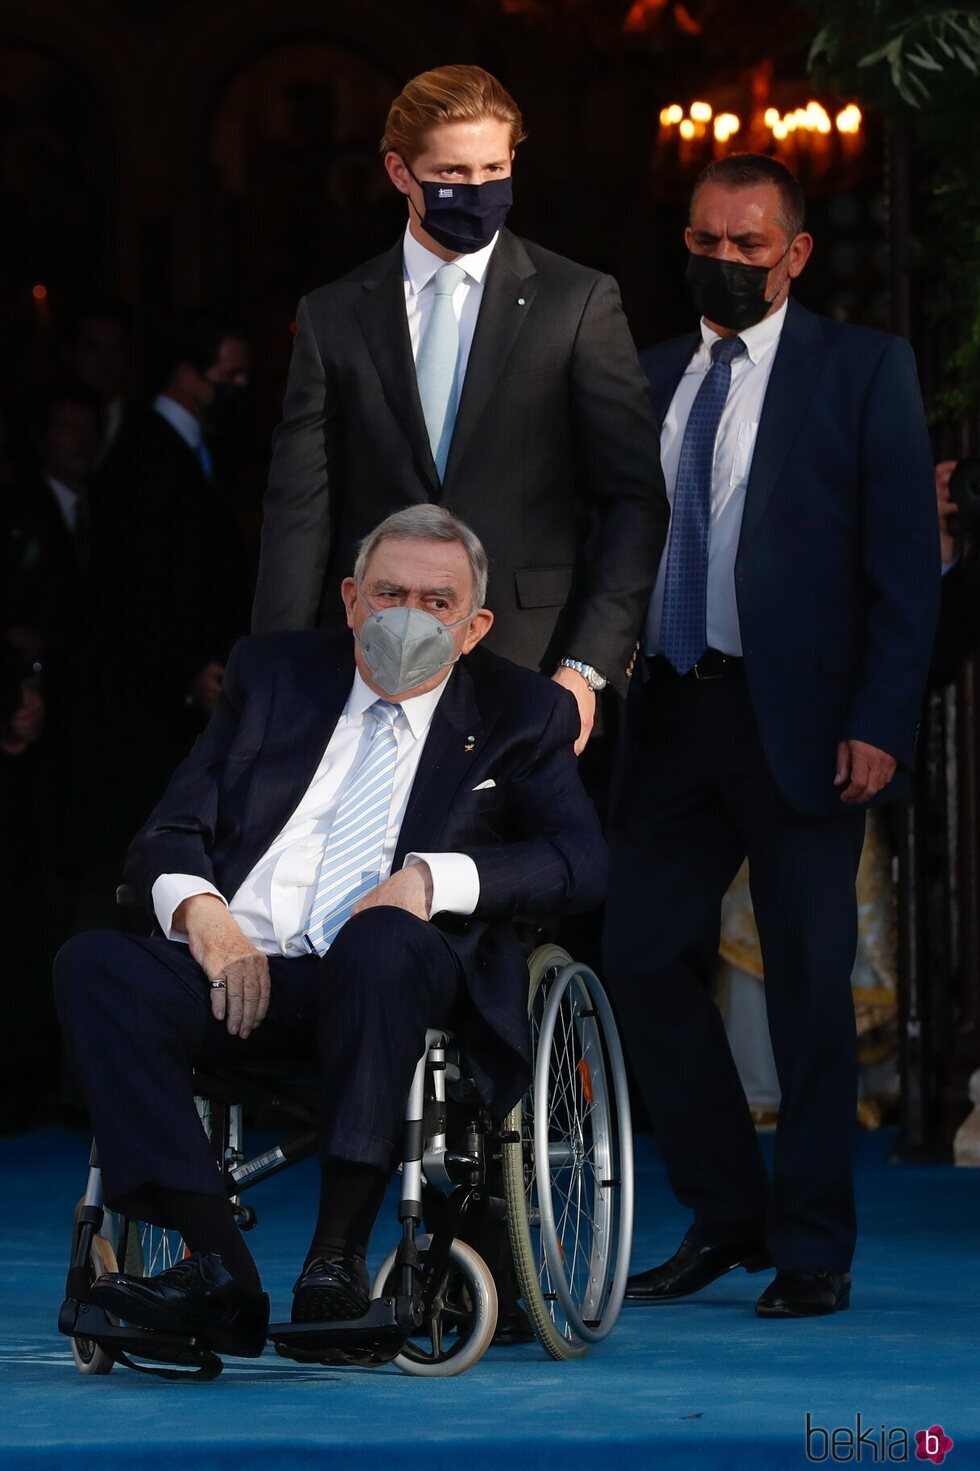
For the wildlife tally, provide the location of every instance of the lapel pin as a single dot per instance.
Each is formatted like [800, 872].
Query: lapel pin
[470, 743]
[520, 301]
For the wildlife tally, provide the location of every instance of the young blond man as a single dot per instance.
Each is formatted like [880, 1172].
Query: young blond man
[476, 370]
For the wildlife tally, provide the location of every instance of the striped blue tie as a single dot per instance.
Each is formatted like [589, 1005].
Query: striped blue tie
[683, 624]
[351, 863]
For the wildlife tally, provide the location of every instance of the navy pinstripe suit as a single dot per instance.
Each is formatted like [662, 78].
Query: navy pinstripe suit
[136, 1013]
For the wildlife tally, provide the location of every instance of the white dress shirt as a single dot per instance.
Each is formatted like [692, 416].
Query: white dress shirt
[419, 266]
[734, 448]
[67, 501]
[273, 902]
[180, 419]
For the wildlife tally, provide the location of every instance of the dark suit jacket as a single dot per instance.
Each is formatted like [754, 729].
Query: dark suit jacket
[534, 836]
[41, 570]
[837, 572]
[554, 460]
[167, 596]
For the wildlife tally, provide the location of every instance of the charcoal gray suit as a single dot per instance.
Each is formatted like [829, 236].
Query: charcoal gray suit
[554, 461]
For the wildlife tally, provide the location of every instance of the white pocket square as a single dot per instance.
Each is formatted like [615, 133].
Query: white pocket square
[485, 785]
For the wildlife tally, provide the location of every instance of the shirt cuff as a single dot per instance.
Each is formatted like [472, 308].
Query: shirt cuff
[455, 881]
[170, 891]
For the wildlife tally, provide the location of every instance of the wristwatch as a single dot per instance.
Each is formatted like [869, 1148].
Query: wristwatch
[592, 677]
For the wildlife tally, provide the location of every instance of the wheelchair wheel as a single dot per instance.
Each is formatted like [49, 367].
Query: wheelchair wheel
[463, 1320]
[90, 1357]
[571, 1223]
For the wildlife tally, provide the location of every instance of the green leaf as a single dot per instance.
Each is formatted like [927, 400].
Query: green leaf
[923, 59]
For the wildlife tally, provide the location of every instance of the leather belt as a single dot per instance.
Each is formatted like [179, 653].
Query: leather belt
[712, 665]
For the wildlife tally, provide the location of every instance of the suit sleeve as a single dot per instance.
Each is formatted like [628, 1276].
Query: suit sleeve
[556, 861]
[901, 560]
[179, 833]
[628, 510]
[296, 512]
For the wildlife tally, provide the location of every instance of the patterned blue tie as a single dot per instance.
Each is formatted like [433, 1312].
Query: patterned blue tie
[436, 367]
[683, 636]
[351, 862]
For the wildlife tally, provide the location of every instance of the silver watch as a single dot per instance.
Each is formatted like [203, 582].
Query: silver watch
[592, 677]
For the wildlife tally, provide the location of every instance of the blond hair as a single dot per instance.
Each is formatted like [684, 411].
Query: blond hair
[448, 94]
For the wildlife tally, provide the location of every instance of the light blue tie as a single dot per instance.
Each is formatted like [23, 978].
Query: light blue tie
[683, 623]
[436, 367]
[351, 863]
[204, 456]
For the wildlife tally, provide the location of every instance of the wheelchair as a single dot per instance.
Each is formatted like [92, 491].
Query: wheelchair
[558, 1170]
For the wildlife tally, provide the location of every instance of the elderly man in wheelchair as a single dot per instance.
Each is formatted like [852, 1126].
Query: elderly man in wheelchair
[335, 870]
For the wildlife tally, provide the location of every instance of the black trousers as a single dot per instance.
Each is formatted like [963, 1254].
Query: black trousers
[136, 1018]
[695, 796]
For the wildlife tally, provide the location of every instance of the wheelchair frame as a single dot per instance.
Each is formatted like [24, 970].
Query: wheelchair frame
[569, 1302]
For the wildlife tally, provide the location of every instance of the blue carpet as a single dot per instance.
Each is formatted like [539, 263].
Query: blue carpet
[699, 1384]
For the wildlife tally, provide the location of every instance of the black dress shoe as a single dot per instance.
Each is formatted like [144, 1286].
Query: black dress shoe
[693, 1267]
[805, 1294]
[513, 1326]
[331, 1290]
[198, 1298]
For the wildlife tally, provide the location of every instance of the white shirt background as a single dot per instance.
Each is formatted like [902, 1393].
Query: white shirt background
[179, 419]
[67, 501]
[274, 900]
[420, 266]
[734, 448]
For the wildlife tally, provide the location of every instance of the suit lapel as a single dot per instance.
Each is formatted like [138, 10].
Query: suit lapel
[303, 713]
[384, 322]
[458, 733]
[665, 369]
[797, 365]
[508, 296]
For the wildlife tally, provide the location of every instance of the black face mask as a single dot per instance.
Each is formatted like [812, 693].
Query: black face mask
[729, 292]
[464, 217]
[230, 409]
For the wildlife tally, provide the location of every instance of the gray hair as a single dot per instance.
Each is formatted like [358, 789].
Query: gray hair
[427, 523]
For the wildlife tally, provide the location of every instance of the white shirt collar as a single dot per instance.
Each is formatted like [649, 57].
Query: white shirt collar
[67, 500]
[758, 339]
[179, 419]
[418, 711]
[420, 264]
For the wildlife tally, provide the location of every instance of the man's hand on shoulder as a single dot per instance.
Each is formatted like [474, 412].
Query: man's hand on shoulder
[409, 889]
[578, 685]
[224, 954]
[866, 769]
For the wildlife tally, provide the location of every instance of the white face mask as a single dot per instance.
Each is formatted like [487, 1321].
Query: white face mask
[405, 647]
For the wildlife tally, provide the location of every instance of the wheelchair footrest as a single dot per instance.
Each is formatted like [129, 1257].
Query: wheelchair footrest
[122, 1343]
[372, 1339]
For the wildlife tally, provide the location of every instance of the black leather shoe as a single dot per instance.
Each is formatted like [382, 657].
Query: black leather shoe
[513, 1326]
[331, 1290]
[198, 1298]
[805, 1294]
[693, 1267]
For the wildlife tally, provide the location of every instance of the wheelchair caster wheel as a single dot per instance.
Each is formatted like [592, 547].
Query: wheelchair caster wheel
[456, 1333]
[90, 1357]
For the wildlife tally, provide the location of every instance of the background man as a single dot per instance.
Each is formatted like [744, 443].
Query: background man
[335, 866]
[787, 644]
[468, 367]
[168, 587]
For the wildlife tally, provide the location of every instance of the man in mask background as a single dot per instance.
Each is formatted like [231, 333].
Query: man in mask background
[168, 580]
[786, 648]
[335, 868]
[472, 369]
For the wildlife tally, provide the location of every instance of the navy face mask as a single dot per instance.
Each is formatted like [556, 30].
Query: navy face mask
[464, 217]
[729, 292]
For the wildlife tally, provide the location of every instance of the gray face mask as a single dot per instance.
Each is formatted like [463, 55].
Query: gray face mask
[405, 647]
